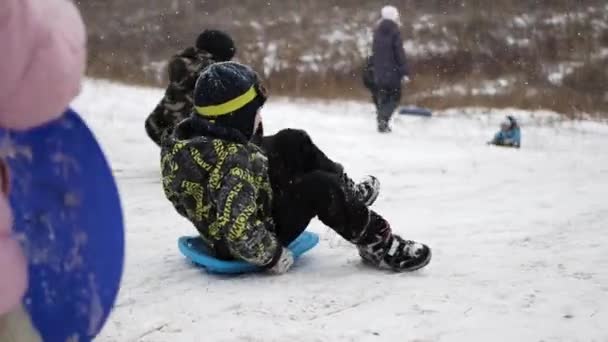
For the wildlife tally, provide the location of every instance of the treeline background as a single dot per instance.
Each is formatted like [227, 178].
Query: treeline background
[550, 54]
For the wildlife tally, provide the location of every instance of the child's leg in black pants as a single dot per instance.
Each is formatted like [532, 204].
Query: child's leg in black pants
[319, 194]
[292, 153]
[306, 183]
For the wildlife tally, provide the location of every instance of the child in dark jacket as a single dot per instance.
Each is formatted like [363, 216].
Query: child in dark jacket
[184, 68]
[249, 201]
[509, 134]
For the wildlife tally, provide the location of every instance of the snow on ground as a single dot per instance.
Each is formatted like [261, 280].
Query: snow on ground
[519, 236]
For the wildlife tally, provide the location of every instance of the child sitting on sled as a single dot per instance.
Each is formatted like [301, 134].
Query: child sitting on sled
[509, 134]
[184, 68]
[249, 201]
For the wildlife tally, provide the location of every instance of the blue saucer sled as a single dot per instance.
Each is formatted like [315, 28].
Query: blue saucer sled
[68, 218]
[195, 250]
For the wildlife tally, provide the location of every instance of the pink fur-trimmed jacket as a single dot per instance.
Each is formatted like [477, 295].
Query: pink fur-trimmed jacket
[43, 61]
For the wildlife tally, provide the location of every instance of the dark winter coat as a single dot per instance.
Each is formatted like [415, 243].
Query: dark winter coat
[388, 57]
[219, 181]
[177, 103]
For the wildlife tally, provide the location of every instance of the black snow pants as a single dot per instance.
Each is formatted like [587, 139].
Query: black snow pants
[386, 101]
[307, 184]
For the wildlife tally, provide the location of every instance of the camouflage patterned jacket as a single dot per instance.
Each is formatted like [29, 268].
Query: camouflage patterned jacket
[219, 181]
[177, 104]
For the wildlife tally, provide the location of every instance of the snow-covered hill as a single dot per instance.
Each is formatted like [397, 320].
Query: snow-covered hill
[519, 236]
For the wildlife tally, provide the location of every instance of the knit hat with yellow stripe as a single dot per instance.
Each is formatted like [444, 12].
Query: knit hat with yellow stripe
[229, 94]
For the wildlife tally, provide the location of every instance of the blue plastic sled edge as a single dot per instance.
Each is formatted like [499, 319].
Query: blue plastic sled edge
[192, 247]
[68, 213]
[417, 111]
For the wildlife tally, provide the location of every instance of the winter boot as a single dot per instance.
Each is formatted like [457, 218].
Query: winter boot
[382, 249]
[366, 191]
[383, 127]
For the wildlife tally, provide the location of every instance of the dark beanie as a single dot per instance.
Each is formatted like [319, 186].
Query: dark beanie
[229, 94]
[217, 43]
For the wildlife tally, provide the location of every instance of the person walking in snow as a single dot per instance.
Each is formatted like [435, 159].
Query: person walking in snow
[509, 134]
[184, 68]
[389, 66]
[249, 201]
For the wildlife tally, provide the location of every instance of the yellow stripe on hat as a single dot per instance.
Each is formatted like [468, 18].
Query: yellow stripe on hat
[230, 106]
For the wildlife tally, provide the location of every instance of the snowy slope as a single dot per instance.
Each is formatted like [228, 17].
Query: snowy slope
[519, 237]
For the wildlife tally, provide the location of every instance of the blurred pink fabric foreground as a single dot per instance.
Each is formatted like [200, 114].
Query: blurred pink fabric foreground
[43, 60]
